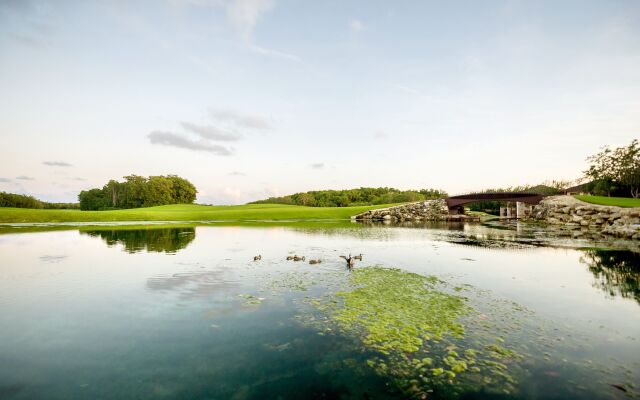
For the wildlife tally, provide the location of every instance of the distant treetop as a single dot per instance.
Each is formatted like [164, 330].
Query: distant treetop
[26, 201]
[354, 197]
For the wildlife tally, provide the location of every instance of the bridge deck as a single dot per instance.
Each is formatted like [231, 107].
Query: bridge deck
[457, 201]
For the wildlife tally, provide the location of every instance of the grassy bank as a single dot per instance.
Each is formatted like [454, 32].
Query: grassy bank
[185, 212]
[610, 201]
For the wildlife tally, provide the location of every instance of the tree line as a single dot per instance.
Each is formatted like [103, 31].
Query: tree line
[615, 171]
[354, 197]
[25, 201]
[138, 191]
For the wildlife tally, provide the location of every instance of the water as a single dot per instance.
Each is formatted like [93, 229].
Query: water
[184, 312]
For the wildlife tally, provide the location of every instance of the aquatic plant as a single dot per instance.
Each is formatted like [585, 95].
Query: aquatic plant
[412, 331]
[429, 338]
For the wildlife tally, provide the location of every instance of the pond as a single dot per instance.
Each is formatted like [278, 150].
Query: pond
[431, 311]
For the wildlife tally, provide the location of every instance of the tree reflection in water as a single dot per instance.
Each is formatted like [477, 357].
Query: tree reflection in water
[167, 240]
[616, 272]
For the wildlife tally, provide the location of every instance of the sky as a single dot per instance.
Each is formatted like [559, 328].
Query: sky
[255, 98]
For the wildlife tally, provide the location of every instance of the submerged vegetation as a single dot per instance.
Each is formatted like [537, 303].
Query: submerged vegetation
[412, 330]
[415, 331]
[354, 197]
[431, 339]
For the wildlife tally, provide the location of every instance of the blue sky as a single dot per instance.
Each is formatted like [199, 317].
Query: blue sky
[254, 98]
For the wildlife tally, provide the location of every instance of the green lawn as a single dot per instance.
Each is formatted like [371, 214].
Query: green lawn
[610, 201]
[185, 212]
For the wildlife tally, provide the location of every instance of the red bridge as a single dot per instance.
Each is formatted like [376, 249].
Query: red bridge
[455, 203]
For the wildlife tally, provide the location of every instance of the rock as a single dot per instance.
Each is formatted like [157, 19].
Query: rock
[570, 212]
[429, 210]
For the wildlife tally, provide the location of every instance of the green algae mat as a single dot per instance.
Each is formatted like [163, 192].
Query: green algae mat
[429, 337]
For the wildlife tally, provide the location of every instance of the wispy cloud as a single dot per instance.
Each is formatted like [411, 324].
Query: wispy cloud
[242, 120]
[275, 53]
[25, 178]
[405, 89]
[203, 137]
[380, 135]
[243, 15]
[356, 25]
[317, 166]
[57, 164]
[33, 21]
[5, 180]
[211, 132]
[180, 141]
[237, 173]
[79, 179]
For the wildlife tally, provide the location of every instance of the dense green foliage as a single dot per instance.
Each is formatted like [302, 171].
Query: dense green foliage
[138, 191]
[604, 187]
[187, 212]
[615, 170]
[24, 201]
[610, 201]
[493, 207]
[354, 197]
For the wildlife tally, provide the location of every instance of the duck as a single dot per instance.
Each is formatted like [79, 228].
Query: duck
[318, 261]
[359, 258]
[296, 258]
[350, 261]
[257, 258]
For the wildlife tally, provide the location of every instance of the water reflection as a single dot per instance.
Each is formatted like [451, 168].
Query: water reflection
[616, 272]
[167, 240]
[146, 326]
[194, 284]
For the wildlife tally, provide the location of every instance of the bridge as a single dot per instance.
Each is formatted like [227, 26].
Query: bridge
[455, 203]
[451, 208]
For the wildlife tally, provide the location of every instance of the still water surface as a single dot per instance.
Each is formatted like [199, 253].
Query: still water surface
[185, 313]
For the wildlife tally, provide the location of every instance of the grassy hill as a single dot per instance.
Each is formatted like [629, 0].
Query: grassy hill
[610, 201]
[185, 212]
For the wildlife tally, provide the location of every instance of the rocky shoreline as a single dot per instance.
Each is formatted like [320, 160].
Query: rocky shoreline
[578, 215]
[565, 212]
[428, 210]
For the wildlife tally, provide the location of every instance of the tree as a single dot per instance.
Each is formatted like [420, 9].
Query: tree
[138, 191]
[183, 191]
[19, 201]
[133, 194]
[111, 193]
[158, 190]
[617, 166]
[93, 199]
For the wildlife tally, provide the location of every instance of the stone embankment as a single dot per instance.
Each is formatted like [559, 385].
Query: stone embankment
[429, 210]
[576, 214]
